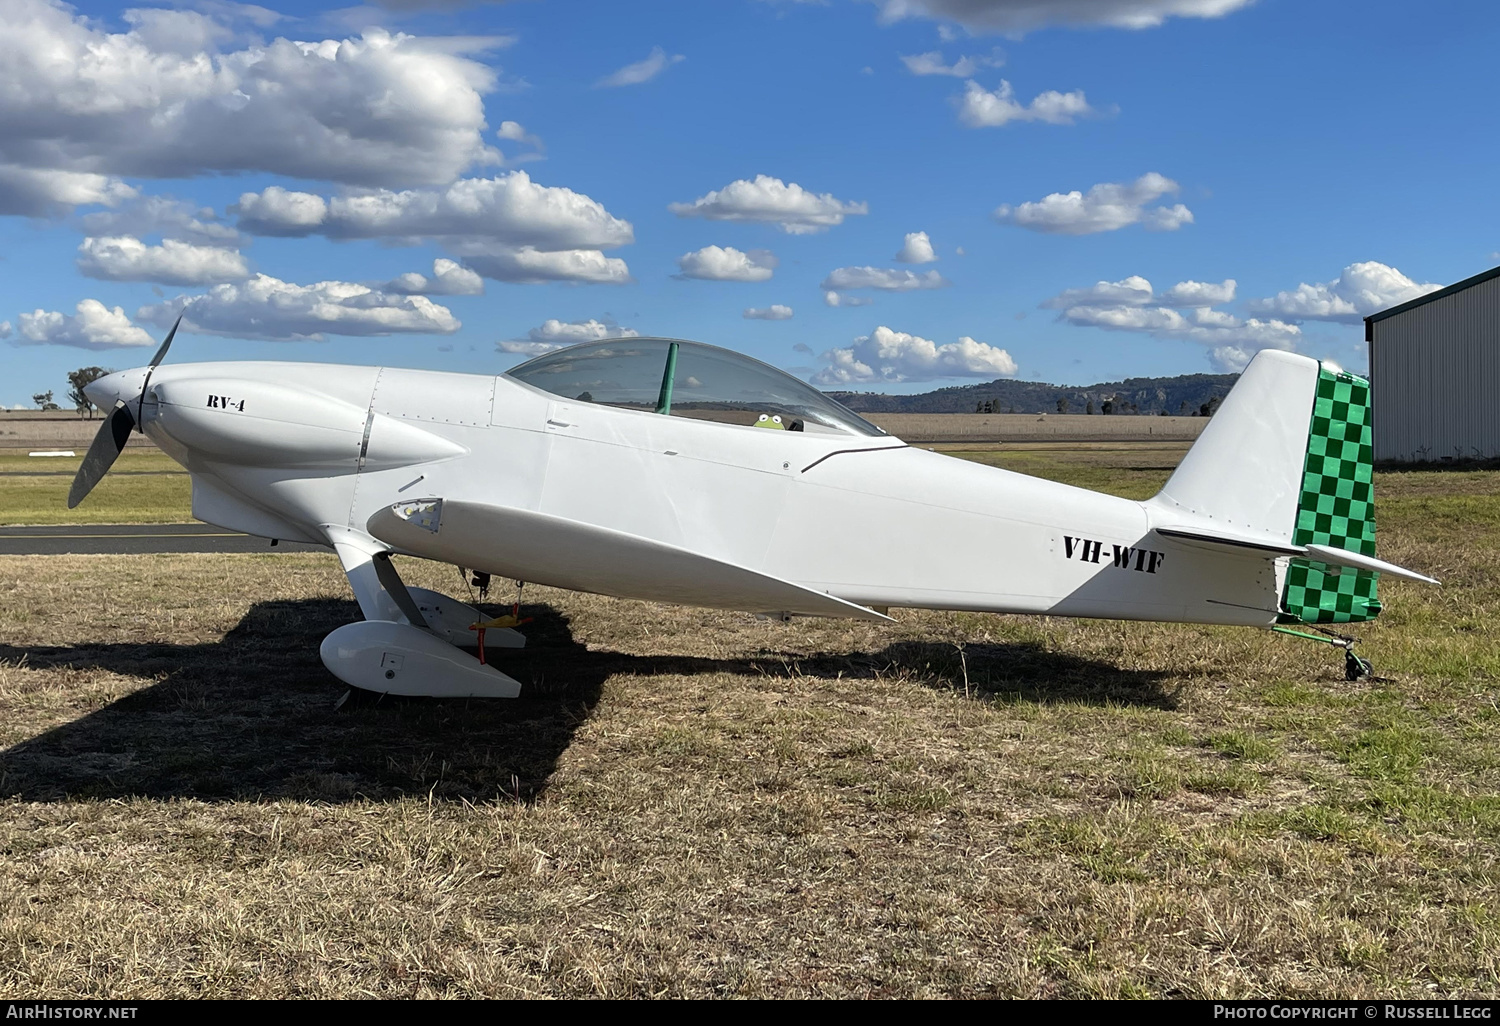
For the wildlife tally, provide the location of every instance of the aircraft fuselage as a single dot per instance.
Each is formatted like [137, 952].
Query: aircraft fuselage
[311, 452]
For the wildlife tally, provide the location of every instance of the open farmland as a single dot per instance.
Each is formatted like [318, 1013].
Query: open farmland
[923, 428]
[697, 803]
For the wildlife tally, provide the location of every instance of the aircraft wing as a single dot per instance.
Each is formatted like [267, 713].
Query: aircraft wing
[544, 549]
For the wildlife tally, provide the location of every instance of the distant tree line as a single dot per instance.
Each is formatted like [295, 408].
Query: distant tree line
[1185, 395]
[1107, 408]
[78, 380]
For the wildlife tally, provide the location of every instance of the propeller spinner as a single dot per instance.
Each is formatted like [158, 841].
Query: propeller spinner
[114, 433]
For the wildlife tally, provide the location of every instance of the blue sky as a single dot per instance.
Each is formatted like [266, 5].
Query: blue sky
[1104, 188]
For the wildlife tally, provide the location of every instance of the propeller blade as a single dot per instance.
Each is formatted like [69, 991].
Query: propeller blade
[103, 451]
[166, 344]
[140, 406]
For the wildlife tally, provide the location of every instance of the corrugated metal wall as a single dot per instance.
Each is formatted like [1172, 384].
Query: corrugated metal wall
[1435, 374]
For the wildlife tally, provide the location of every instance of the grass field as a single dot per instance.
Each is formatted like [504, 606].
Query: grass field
[695, 803]
[143, 487]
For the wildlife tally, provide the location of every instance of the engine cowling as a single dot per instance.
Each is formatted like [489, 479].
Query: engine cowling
[261, 423]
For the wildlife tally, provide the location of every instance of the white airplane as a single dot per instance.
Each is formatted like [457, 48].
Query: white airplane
[680, 472]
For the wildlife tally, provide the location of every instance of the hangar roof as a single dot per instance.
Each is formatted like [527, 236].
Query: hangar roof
[1457, 286]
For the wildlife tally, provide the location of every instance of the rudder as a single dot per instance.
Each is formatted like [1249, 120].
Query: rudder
[1336, 507]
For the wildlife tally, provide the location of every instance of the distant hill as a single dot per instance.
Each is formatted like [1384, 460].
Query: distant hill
[1184, 394]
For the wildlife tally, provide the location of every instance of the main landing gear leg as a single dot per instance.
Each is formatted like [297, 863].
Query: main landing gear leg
[404, 646]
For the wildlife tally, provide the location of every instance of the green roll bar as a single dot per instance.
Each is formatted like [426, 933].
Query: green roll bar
[664, 398]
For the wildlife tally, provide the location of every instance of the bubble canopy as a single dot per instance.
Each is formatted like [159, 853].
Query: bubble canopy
[687, 379]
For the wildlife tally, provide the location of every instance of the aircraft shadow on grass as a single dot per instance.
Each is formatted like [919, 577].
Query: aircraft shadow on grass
[252, 716]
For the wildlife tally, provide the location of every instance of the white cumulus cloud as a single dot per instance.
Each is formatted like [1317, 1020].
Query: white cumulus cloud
[886, 279]
[510, 209]
[555, 334]
[1213, 318]
[1231, 341]
[712, 263]
[279, 211]
[524, 348]
[162, 215]
[177, 32]
[268, 308]
[771, 201]
[1199, 293]
[932, 63]
[887, 355]
[1107, 207]
[1131, 305]
[917, 249]
[35, 192]
[448, 278]
[1017, 17]
[1131, 291]
[837, 299]
[978, 107]
[641, 71]
[526, 265]
[94, 326]
[774, 312]
[1360, 290]
[125, 258]
[167, 100]
[508, 228]
[1154, 319]
[514, 131]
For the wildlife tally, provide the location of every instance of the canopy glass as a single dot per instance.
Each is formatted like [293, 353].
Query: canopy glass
[688, 379]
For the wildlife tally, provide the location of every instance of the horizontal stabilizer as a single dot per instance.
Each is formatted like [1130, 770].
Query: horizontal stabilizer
[544, 549]
[1268, 545]
[1272, 547]
[1343, 557]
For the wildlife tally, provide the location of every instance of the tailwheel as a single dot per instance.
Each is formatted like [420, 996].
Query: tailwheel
[1355, 668]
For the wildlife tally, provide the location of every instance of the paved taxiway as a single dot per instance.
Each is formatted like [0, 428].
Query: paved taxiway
[132, 539]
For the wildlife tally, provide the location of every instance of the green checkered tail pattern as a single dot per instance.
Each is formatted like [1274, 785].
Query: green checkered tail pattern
[1337, 508]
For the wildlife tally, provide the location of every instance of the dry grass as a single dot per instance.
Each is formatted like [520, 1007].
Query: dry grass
[693, 803]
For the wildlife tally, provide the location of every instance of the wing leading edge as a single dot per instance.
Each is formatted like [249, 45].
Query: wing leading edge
[562, 553]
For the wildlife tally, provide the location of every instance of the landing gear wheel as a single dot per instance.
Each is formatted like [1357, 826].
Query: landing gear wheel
[1356, 668]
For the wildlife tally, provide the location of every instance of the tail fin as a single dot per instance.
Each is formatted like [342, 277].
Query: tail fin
[1285, 467]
